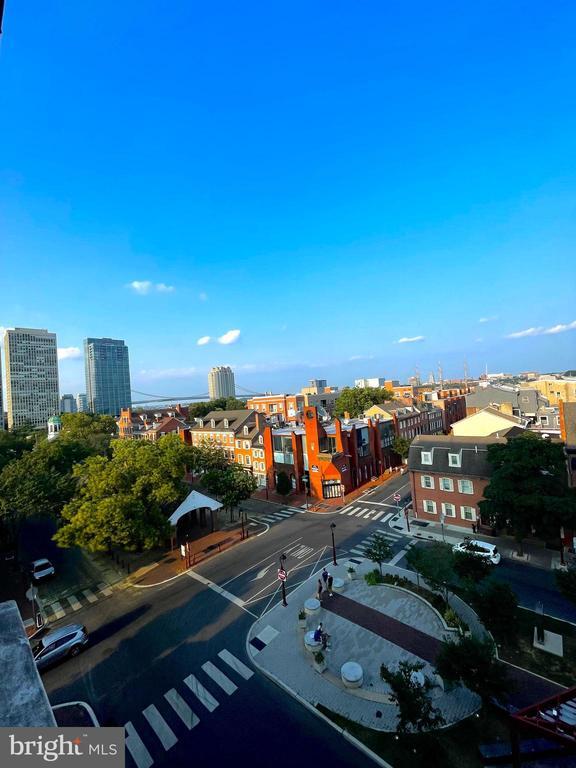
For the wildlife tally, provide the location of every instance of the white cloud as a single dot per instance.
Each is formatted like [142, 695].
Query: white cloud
[69, 353]
[562, 328]
[141, 286]
[540, 331]
[488, 319]
[409, 339]
[230, 337]
[203, 340]
[144, 287]
[203, 296]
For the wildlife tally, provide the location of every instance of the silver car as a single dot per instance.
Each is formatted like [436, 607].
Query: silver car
[41, 569]
[66, 641]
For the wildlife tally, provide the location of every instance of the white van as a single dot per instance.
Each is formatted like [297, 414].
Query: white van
[479, 548]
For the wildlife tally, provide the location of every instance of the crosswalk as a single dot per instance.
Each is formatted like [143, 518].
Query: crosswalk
[163, 717]
[368, 513]
[391, 538]
[278, 516]
[72, 603]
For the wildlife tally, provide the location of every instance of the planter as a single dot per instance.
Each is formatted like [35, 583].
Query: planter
[351, 575]
[302, 623]
[320, 667]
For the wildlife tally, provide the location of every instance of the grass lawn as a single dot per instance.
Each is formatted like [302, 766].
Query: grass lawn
[456, 746]
[520, 650]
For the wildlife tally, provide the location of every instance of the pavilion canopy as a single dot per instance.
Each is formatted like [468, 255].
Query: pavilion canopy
[194, 501]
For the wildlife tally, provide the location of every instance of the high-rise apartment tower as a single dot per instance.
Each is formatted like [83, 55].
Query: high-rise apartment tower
[221, 382]
[107, 376]
[31, 363]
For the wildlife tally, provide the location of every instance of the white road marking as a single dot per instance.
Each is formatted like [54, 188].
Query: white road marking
[386, 517]
[204, 697]
[160, 727]
[59, 612]
[181, 708]
[354, 510]
[357, 551]
[104, 588]
[223, 592]
[397, 557]
[74, 603]
[267, 635]
[391, 534]
[89, 595]
[285, 514]
[378, 515]
[370, 513]
[236, 664]
[268, 518]
[136, 747]
[219, 678]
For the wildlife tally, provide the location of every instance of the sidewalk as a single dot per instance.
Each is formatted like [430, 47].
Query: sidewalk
[535, 551]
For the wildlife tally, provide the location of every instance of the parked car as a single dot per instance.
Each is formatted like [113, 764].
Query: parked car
[56, 645]
[479, 548]
[41, 569]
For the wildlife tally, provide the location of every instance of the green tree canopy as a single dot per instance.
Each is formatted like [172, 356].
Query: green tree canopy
[528, 487]
[378, 551]
[232, 485]
[566, 581]
[209, 456]
[497, 606]
[473, 663]
[401, 446]
[124, 500]
[201, 409]
[355, 400]
[434, 562]
[13, 445]
[471, 569]
[416, 711]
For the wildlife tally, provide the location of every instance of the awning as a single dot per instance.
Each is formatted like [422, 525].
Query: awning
[193, 501]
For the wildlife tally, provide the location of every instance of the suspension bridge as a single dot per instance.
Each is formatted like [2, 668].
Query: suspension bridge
[241, 393]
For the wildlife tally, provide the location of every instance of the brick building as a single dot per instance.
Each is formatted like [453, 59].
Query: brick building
[334, 458]
[278, 408]
[448, 476]
[409, 421]
[151, 424]
[568, 436]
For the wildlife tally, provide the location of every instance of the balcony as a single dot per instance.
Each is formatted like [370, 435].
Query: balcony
[282, 457]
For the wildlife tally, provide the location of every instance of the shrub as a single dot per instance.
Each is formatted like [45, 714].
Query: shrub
[374, 578]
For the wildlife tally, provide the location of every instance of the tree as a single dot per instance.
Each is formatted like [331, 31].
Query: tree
[283, 484]
[473, 663]
[497, 606]
[355, 400]
[201, 409]
[566, 582]
[125, 499]
[415, 708]
[378, 551]
[434, 562]
[401, 446]
[13, 445]
[232, 485]
[528, 488]
[470, 568]
[208, 456]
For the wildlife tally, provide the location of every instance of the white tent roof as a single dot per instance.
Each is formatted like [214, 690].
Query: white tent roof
[194, 500]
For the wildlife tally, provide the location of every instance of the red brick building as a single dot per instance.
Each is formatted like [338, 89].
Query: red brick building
[334, 458]
[448, 476]
[278, 408]
[151, 424]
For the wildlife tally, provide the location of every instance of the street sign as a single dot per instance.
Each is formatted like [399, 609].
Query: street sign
[397, 497]
[281, 574]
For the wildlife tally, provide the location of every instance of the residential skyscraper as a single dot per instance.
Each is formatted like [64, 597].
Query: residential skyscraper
[67, 404]
[81, 402]
[221, 382]
[31, 363]
[1, 401]
[107, 375]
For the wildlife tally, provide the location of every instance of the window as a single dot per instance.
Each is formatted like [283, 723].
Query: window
[248, 461]
[240, 459]
[544, 421]
[261, 439]
[426, 457]
[246, 445]
[446, 484]
[426, 481]
[213, 423]
[448, 509]
[429, 507]
[237, 443]
[465, 486]
[454, 459]
[246, 430]
[468, 513]
[226, 423]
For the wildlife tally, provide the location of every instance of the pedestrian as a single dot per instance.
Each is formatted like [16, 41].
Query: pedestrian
[318, 632]
[330, 581]
[324, 640]
[325, 576]
[319, 590]
[473, 527]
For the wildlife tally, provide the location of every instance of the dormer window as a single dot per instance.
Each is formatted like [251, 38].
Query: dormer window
[226, 423]
[212, 423]
[201, 422]
[426, 457]
[261, 439]
[454, 459]
[246, 430]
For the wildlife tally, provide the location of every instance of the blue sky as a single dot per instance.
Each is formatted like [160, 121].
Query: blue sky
[349, 187]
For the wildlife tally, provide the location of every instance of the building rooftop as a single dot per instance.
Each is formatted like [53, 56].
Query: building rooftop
[23, 699]
[473, 453]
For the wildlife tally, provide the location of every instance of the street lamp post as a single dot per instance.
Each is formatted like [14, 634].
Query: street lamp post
[283, 581]
[332, 527]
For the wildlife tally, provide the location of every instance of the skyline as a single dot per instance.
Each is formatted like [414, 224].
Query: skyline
[297, 195]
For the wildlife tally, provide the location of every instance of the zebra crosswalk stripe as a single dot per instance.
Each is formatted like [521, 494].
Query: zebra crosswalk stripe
[74, 603]
[104, 588]
[160, 727]
[236, 664]
[353, 510]
[203, 696]
[219, 678]
[181, 708]
[357, 552]
[89, 595]
[59, 612]
[136, 747]
[376, 517]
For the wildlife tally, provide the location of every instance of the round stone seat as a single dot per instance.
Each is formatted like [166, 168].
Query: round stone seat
[312, 605]
[352, 674]
[338, 585]
[310, 644]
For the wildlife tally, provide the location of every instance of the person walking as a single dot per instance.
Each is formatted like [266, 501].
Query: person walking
[325, 575]
[330, 581]
[319, 590]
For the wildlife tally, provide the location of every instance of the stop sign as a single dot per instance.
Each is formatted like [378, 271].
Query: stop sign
[281, 574]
